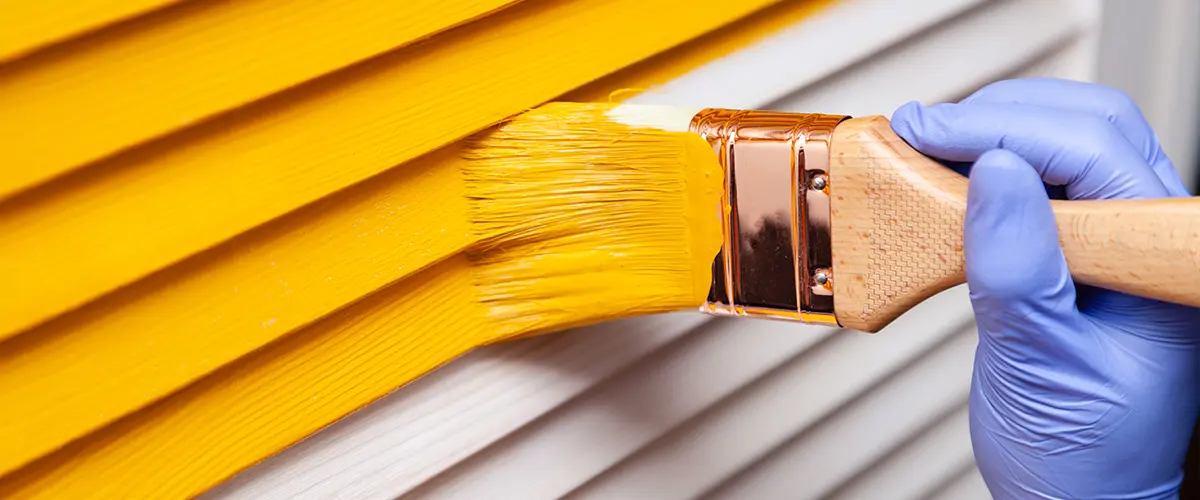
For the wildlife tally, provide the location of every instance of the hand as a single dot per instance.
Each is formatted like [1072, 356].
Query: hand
[1077, 392]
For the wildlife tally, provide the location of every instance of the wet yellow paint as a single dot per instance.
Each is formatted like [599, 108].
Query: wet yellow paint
[171, 198]
[27, 26]
[586, 219]
[222, 279]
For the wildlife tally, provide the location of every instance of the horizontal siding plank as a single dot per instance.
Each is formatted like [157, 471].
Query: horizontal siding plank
[455, 411]
[968, 485]
[90, 457]
[106, 92]
[719, 443]
[89, 368]
[925, 463]
[229, 301]
[850, 439]
[860, 90]
[272, 398]
[346, 452]
[954, 66]
[372, 453]
[648, 76]
[156, 205]
[625, 413]
[31, 24]
[948, 61]
[841, 34]
[90, 464]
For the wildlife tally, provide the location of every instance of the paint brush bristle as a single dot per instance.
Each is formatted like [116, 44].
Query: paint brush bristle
[585, 214]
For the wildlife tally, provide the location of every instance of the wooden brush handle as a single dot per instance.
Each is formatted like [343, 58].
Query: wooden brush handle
[898, 223]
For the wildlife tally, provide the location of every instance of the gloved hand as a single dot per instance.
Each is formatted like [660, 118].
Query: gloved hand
[1077, 392]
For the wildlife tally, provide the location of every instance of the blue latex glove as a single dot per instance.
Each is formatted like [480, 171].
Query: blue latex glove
[1077, 392]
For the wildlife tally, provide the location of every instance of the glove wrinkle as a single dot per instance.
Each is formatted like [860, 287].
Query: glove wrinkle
[1077, 392]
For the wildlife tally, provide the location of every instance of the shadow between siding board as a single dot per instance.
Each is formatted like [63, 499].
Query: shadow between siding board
[621, 415]
[107, 91]
[276, 477]
[846, 439]
[243, 413]
[32, 24]
[346, 439]
[91, 366]
[193, 362]
[921, 461]
[159, 203]
[155, 205]
[804, 392]
[399, 442]
[263, 483]
[271, 398]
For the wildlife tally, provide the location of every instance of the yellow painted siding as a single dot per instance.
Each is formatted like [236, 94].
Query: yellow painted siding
[230, 284]
[27, 25]
[159, 203]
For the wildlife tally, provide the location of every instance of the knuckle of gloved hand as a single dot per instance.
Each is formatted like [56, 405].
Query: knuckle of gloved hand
[1118, 105]
[1092, 138]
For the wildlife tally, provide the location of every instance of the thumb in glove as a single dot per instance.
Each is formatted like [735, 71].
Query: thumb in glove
[1063, 405]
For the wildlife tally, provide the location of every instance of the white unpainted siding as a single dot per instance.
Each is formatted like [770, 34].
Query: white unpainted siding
[687, 406]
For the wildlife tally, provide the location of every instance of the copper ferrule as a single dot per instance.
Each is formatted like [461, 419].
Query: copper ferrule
[776, 260]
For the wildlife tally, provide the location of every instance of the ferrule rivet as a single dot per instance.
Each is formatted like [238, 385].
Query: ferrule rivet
[821, 277]
[819, 182]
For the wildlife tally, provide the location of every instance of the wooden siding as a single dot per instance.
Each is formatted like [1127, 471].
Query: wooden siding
[229, 224]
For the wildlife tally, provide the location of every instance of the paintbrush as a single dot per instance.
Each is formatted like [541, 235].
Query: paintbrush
[588, 212]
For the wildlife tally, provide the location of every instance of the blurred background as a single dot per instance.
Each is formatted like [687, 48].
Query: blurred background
[1151, 50]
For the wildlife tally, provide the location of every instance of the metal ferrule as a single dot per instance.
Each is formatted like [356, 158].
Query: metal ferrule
[776, 261]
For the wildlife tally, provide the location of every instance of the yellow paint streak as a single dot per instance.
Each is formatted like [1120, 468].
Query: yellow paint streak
[99, 94]
[158, 204]
[271, 397]
[650, 237]
[92, 366]
[585, 219]
[26, 25]
[184, 445]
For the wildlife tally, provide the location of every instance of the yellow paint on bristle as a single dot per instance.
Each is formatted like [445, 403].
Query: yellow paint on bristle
[583, 219]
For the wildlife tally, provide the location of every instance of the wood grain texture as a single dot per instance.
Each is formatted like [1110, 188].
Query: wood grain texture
[162, 202]
[145, 210]
[26, 26]
[150, 219]
[454, 412]
[897, 224]
[408, 438]
[897, 232]
[128, 349]
[1142, 247]
[183, 445]
[158, 333]
[503, 394]
[105, 92]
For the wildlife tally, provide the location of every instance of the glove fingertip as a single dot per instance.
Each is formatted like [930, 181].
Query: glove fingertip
[906, 122]
[1001, 169]
[1010, 235]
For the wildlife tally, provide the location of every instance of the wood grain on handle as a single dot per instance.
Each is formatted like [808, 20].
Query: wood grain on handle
[897, 232]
